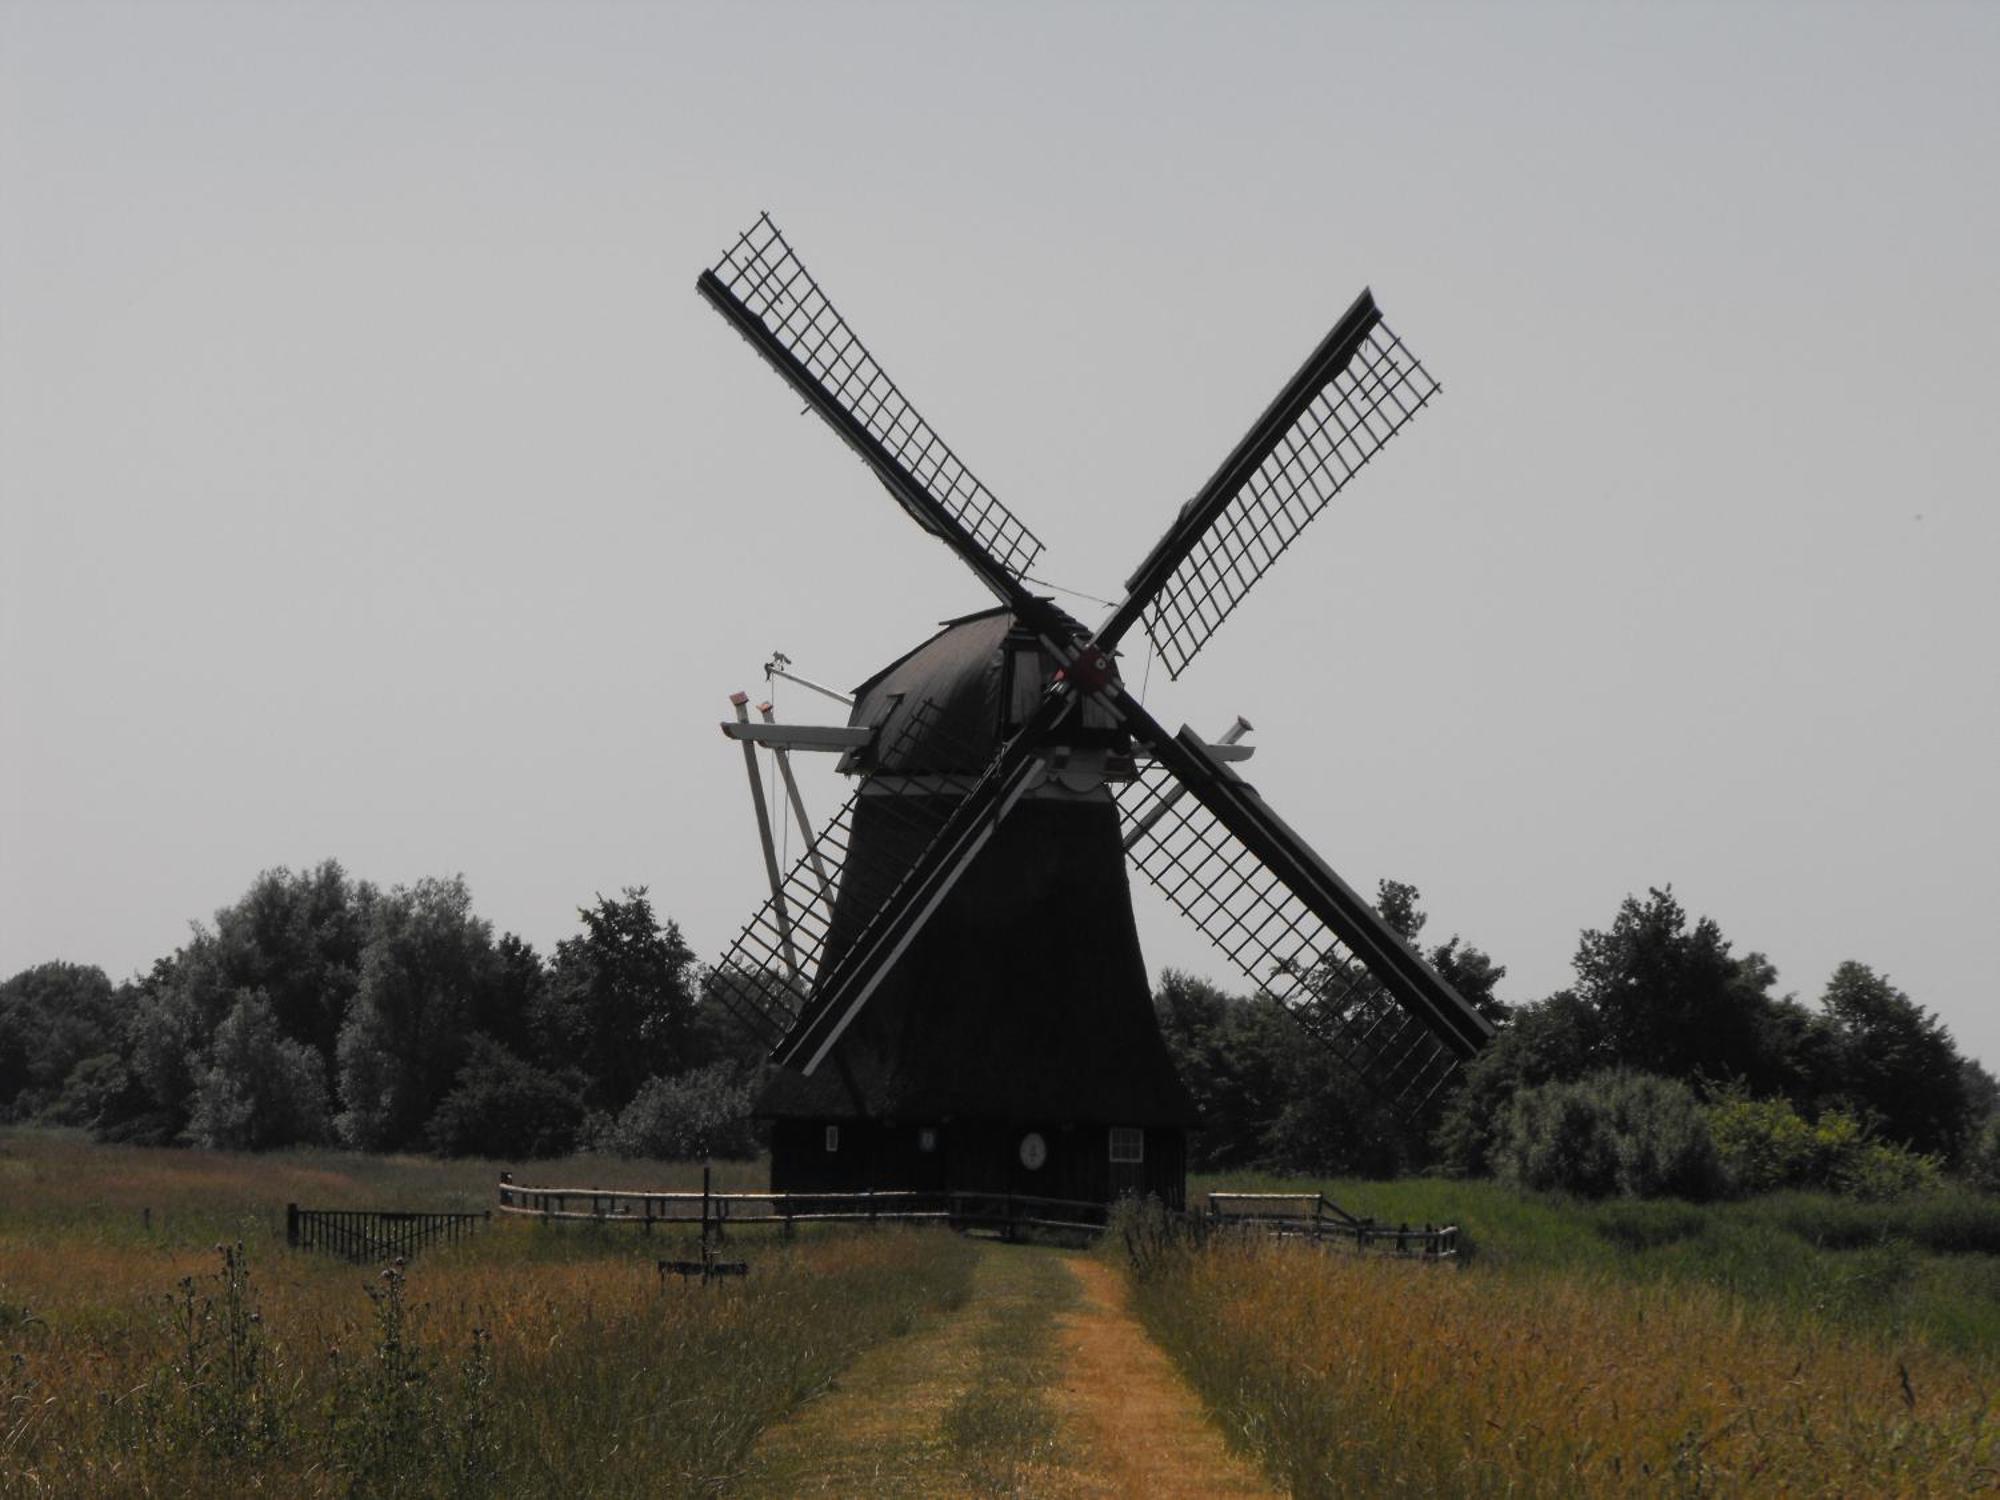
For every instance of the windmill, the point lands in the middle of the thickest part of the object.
(962, 1003)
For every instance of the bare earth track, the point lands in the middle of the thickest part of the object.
(1043, 1385)
(1145, 1431)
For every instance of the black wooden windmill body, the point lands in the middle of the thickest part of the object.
(950, 977)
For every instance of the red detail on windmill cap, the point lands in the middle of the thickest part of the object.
(739, 699)
(1091, 669)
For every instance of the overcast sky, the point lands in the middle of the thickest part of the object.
(373, 484)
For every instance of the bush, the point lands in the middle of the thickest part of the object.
(698, 1114)
(1765, 1145)
(502, 1106)
(1877, 1169)
(1982, 1157)
(1632, 1134)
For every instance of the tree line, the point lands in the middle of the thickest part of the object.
(1669, 1063)
(320, 1009)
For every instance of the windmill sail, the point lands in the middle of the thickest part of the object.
(765, 290)
(1356, 391)
(1287, 949)
(764, 976)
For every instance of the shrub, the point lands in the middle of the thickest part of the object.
(705, 1112)
(1765, 1145)
(1877, 1169)
(1632, 1134)
(1982, 1157)
(502, 1106)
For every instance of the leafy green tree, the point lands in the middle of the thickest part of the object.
(1558, 1039)
(1896, 1063)
(1982, 1156)
(260, 1088)
(92, 1090)
(297, 939)
(1229, 1052)
(1673, 1000)
(620, 999)
(513, 1008)
(1982, 1091)
(503, 1106)
(427, 960)
(1271, 1096)
(169, 1016)
(1633, 1134)
(52, 1017)
(1465, 968)
(703, 1112)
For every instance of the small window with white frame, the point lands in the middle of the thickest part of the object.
(927, 1138)
(833, 1137)
(1128, 1143)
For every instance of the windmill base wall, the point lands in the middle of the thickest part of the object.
(977, 1157)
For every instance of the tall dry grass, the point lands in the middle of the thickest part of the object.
(1352, 1377)
(537, 1360)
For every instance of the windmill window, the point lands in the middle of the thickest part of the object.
(833, 1137)
(927, 1139)
(1128, 1143)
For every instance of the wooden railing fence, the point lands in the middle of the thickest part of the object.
(1314, 1216)
(717, 1213)
(367, 1235)
(1311, 1216)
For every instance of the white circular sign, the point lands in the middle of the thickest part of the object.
(1034, 1151)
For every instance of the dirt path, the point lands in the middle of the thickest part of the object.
(948, 1410)
(1145, 1431)
(1042, 1385)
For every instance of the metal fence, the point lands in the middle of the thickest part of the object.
(367, 1235)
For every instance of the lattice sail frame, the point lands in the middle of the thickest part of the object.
(1347, 423)
(756, 979)
(764, 273)
(1269, 933)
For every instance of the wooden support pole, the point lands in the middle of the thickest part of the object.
(784, 759)
(741, 703)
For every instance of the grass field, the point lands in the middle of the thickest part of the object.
(141, 1354)
(1790, 1345)
(1926, 1267)
(1793, 1345)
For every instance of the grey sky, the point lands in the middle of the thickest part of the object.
(374, 485)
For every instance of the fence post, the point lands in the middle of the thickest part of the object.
(291, 1224)
(704, 1209)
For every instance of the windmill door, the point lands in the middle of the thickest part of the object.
(927, 1164)
(1127, 1146)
